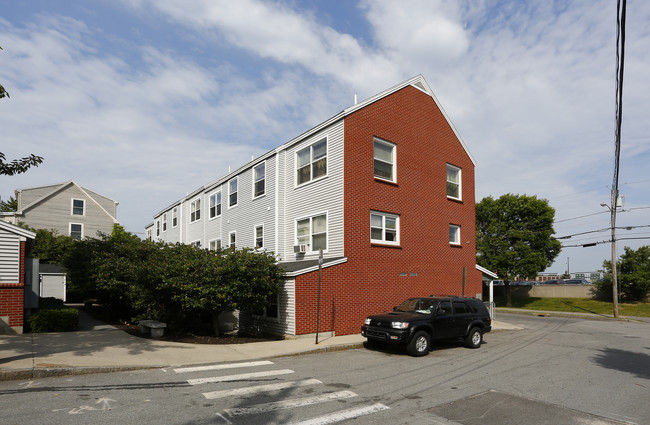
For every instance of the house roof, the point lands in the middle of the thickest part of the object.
(486, 271)
(418, 82)
(58, 188)
(17, 230)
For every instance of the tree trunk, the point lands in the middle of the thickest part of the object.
(215, 323)
(508, 297)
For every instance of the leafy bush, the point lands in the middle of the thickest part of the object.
(54, 320)
(633, 272)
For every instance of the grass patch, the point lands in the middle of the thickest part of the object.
(576, 305)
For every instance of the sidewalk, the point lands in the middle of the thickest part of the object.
(98, 347)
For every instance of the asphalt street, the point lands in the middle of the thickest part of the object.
(553, 370)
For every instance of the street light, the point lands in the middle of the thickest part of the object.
(615, 201)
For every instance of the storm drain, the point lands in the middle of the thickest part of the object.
(497, 408)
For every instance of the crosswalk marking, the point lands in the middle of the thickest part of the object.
(239, 377)
(289, 404)
(222, 366)
(343, 415)
(260, 389)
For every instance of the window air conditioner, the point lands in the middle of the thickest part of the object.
(302, 248)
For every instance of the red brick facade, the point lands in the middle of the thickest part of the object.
(378, 277)
(12, 295)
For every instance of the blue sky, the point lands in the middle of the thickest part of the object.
(144, 101)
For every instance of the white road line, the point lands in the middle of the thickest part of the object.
(222, 366)
(239, 377)
(260, 389)
(289, 404)
(343, 415)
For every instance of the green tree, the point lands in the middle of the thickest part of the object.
(9, 206)
(3, 92)
(633, 273)
(514, 237)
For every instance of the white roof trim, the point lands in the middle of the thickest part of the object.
(315, 268)
(17, 230)
(486, 271)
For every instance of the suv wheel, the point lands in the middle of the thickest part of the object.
(474, 338)
(419, 345)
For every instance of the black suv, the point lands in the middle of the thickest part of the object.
(418, 321)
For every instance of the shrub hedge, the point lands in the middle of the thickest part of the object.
(54, 316)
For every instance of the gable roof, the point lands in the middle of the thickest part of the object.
(60, 187)
(12, 228)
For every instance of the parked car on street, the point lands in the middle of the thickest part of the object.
(552, 282)
(418, 321)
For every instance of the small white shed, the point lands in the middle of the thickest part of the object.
(52, 279)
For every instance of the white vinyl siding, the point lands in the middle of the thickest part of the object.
(9, 257)
(318, 197)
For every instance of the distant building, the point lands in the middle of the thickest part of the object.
(67, 208)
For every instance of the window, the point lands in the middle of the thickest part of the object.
(454, 234)
(453, 182)
(195, 210)
(259, 176)
(174, 217)
(164, 222)
(78, 207)
(215, 244)
(232, 240)
(157, 227)
(311, 162)
(461, 308)
(76, 231)
(232, 187)
(312, 232)
(259, 237)
(149, 234)
(384, 160)
(196, 243)
(272, 310)
(215, 205)
(384, 228)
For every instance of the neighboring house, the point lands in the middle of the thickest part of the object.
(15, 244)
(385, 188)
(67, 208)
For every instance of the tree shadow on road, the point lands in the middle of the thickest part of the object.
(637, 364)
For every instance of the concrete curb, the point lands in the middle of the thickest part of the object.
(587, 316)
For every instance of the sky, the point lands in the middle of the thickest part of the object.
(144, 101)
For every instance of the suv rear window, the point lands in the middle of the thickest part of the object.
(460, 307)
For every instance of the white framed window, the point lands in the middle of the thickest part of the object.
(259, 180)
(259, 237)
(454, 187)
(232, 240)
(384, 228)
(149, 234)
(196, 243)
(232, 192)
(164, 222)
(312, 231)
(311, 162)
(215, 244)
(215, 205)
(157, 228)
(174, 217)
(78, 207)
(384, 155)
(454, 234)
(76, 231)
(195, 210)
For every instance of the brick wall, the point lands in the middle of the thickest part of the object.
(373, 280)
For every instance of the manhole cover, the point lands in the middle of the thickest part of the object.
(497, 408)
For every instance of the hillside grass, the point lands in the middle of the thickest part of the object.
(576, 305)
